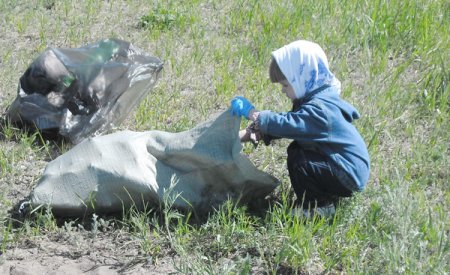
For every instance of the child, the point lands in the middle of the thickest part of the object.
(328, 158)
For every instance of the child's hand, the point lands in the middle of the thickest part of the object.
(244, 135)
(240, 106)
(250, 134)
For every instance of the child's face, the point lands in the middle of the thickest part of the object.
(287, 89)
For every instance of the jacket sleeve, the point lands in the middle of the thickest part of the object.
(309, 123)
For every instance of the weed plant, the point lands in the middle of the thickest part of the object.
(392, 57)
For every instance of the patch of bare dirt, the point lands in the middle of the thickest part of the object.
(78, 251)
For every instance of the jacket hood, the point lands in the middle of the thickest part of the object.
(349, 112)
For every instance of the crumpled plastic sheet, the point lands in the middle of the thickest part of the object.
(198, 169)
(83, 92)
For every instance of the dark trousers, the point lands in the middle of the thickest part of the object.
(314, 177)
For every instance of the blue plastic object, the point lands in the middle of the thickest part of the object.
(240, 106)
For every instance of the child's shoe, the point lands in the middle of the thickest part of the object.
(326, 211)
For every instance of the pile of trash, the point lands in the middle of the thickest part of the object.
(80, 94)
(83, 92)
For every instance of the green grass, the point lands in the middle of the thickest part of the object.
(392, 58)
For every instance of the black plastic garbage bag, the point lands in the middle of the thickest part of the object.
(83, 92)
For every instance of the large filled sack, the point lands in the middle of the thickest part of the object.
(81, 92)
(201, 168)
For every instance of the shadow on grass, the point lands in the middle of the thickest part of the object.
(19, 132)
(22, 211)
(8, 128)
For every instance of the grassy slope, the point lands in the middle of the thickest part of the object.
(392, 58)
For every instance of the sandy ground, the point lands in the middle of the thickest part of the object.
(79, 253)
(73, 250)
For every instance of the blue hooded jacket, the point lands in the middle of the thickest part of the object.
(324, 121)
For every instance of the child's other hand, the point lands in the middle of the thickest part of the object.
(244, 135)
(240, 106)
(250, 135)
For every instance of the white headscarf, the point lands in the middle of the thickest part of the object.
(305, 66)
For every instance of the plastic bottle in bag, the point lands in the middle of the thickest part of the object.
(105, 50)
